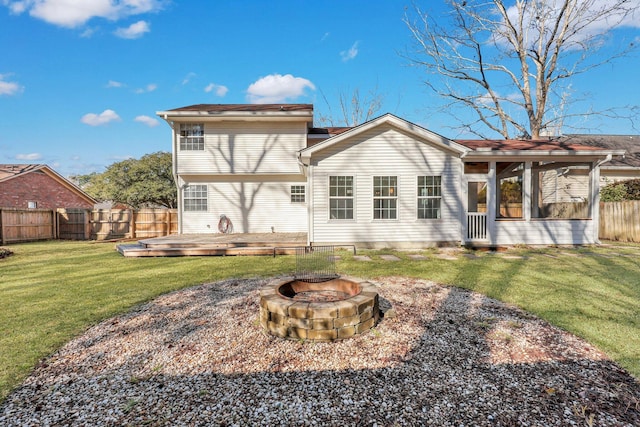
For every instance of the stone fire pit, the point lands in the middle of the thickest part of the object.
(318, 311)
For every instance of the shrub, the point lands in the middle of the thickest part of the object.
(4, 252)
(620, 191)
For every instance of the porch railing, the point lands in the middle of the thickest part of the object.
(476, 226)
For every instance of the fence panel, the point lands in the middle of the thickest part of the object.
(25, 225)
(620, 221)
(107, 224)
(73, 224)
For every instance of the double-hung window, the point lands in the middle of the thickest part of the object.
(195, 198)
(192, 136)
(429, 197)
(297, 193)
(341, 197)
(385, 197)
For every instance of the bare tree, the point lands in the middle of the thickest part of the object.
(354, 109)
(513, 66)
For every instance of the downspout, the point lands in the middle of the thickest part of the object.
(307, 171)
(595, 196)
(174, 169)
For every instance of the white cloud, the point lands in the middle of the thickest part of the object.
(325, 36)
(7, 87)
(113, 83)
(276, 88)
(103, 118)
(133, 31)
(148, 88)
(74, 13)
(188, 78)
(351, 53)
(149, 121)
(219, 90)
(29, 157)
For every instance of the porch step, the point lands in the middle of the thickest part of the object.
(140, 250)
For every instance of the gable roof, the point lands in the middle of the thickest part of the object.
(387, 119)
(11, 171)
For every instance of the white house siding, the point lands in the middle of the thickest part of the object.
(254, 204)
(243, 147)
(565, 187)
(545, 232)
(385, 151)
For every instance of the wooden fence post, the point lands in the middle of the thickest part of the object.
(2, 231)
(132, 224)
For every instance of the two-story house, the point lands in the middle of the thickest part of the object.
(385, 183)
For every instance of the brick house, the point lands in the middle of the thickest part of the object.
(39, 187)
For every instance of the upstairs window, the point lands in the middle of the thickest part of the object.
(297, 193)
(192, 136)
(195, 198)
(385, 197)
(341, 197)
(429, 197)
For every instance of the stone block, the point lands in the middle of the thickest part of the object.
(299, 310)
(341, 322)
(277, 330)
(299, 323)
(298, 333)
(322, 310)
(362, 302)
(322, 335)
(322, 323)
(365, 315)
(276, 304)
(364, 326)
(278, 318)
(346, 308)
(346, 332)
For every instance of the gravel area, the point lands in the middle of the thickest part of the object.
(440, 356)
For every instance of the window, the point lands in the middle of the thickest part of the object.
(385, 197)
(32, 205)
(429, 197)
(192, 136)
(297, 193)
(341, 197)
(195, 198)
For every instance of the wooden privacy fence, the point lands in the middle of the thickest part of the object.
(620, 221)
(22, 225)
(25, 225)
(137, 224)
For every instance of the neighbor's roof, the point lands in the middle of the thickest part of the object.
(10, 171)
(629, 143)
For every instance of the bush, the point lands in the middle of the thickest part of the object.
(4, 252)
(621, 191)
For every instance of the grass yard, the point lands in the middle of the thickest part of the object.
(52, 291)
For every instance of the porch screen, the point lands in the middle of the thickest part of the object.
(510, 180)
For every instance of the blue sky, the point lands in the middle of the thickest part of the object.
(80, 80)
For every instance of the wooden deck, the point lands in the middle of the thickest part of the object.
(216, 245)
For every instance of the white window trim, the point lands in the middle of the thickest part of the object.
(181, 138)
(374, 197)
(418, 197)
(353, 198)
(206, 198)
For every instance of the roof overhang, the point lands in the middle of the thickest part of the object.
(282, 113)
(542, 155)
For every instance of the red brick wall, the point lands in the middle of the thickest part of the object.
(40, 188)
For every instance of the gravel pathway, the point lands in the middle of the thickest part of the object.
(441, 356)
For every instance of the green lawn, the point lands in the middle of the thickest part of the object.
(52, 291)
